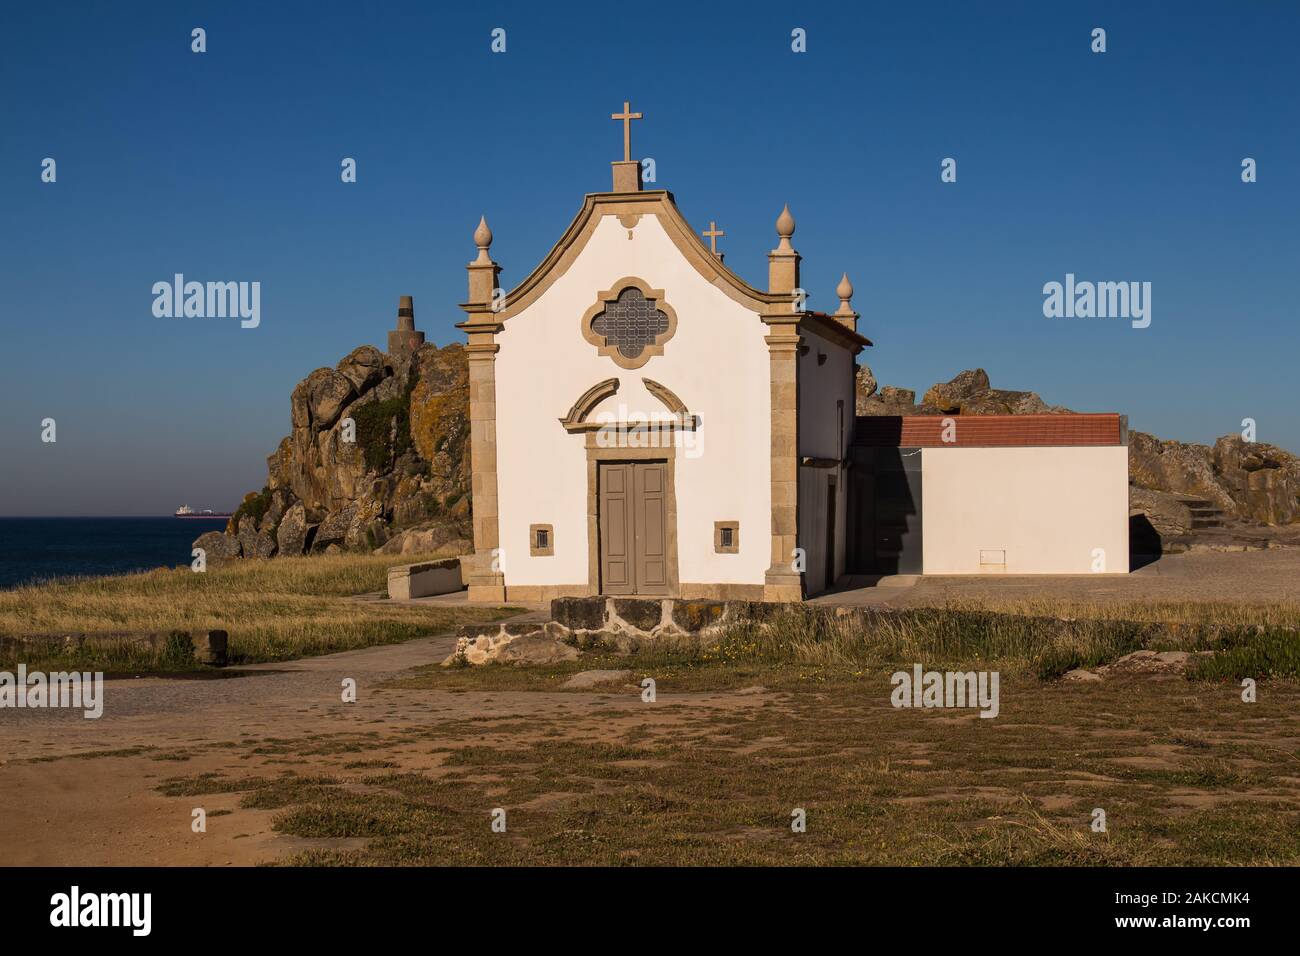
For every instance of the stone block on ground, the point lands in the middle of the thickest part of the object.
(579, 613)
(693, 616)
(641, 613)
(424, 579)
(595, 678)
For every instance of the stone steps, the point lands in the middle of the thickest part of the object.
(1205, 514)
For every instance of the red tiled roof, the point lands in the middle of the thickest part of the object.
(987, 431)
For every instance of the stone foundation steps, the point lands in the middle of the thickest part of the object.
(623, 624)
(1205, 514)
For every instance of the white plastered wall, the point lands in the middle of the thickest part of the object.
(824, 432)
(716, 363)
(1046, 510)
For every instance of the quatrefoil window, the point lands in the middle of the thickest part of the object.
(630, 323)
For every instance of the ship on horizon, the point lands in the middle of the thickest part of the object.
(185, 511)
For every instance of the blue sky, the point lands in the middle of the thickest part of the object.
(1123, 166)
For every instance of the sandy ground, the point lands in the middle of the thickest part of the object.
(67, 798)
(103, 809)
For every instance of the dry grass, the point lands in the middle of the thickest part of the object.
(273, 610)
(1183, 779)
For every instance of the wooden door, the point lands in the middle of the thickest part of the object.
(651, 541)
(632, 524)
(617, 534)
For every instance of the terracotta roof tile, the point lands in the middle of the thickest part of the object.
(987, 431)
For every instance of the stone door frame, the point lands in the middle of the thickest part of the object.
(597, 454)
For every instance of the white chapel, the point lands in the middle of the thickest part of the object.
(645, 422)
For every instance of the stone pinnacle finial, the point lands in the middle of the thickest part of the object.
(845, 289)
(483, 271)
(783, 261)
(845, 314)
(483, 239)
(785, 226)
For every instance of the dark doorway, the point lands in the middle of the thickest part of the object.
(830, 532)
(1144, 543)
(885, 511)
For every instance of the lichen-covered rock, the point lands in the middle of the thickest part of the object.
(893, 395)
(342, 468)
(404, 483)
(948, 396)
(585, 679)
(999, 401)
(279, 465)
(435, 538)
(254, 543)
(1263, 480)
(693, 616)
(579, 613)
(363, 367)
(641, 613)
(280, 500)
(1176, 467)
(865, 383)
(366, 512)
(328, 393)
(440, 420)
(334, 529)
(1166, 512)
(319, 398)
(217, 546)
(291, 537)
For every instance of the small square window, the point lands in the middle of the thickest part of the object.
(726, 537)
(541, 540)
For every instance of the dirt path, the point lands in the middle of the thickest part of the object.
(84, 792)
(1254, 577)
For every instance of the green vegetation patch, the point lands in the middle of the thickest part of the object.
(1258, 653)
(384, 429)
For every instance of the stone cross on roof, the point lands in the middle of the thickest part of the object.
(712, 234)
(627, 116)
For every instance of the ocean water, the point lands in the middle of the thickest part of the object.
(32, 549)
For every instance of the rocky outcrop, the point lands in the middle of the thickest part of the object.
(948, 396)
(377, 456)
(363, 367)
(319, 398)
(252, 542)
(217, 547)
(294, 535)
(1247, 480)
(865, 386)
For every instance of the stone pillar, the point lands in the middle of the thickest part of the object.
(627, 176)
(404, 339)
(782, 582)
(783, 261)
(845, 315)
(481, 327)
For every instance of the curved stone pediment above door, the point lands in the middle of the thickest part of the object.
(579, 417)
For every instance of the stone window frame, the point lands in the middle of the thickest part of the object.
(540, 552)
(608, 298)
(734, 528)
